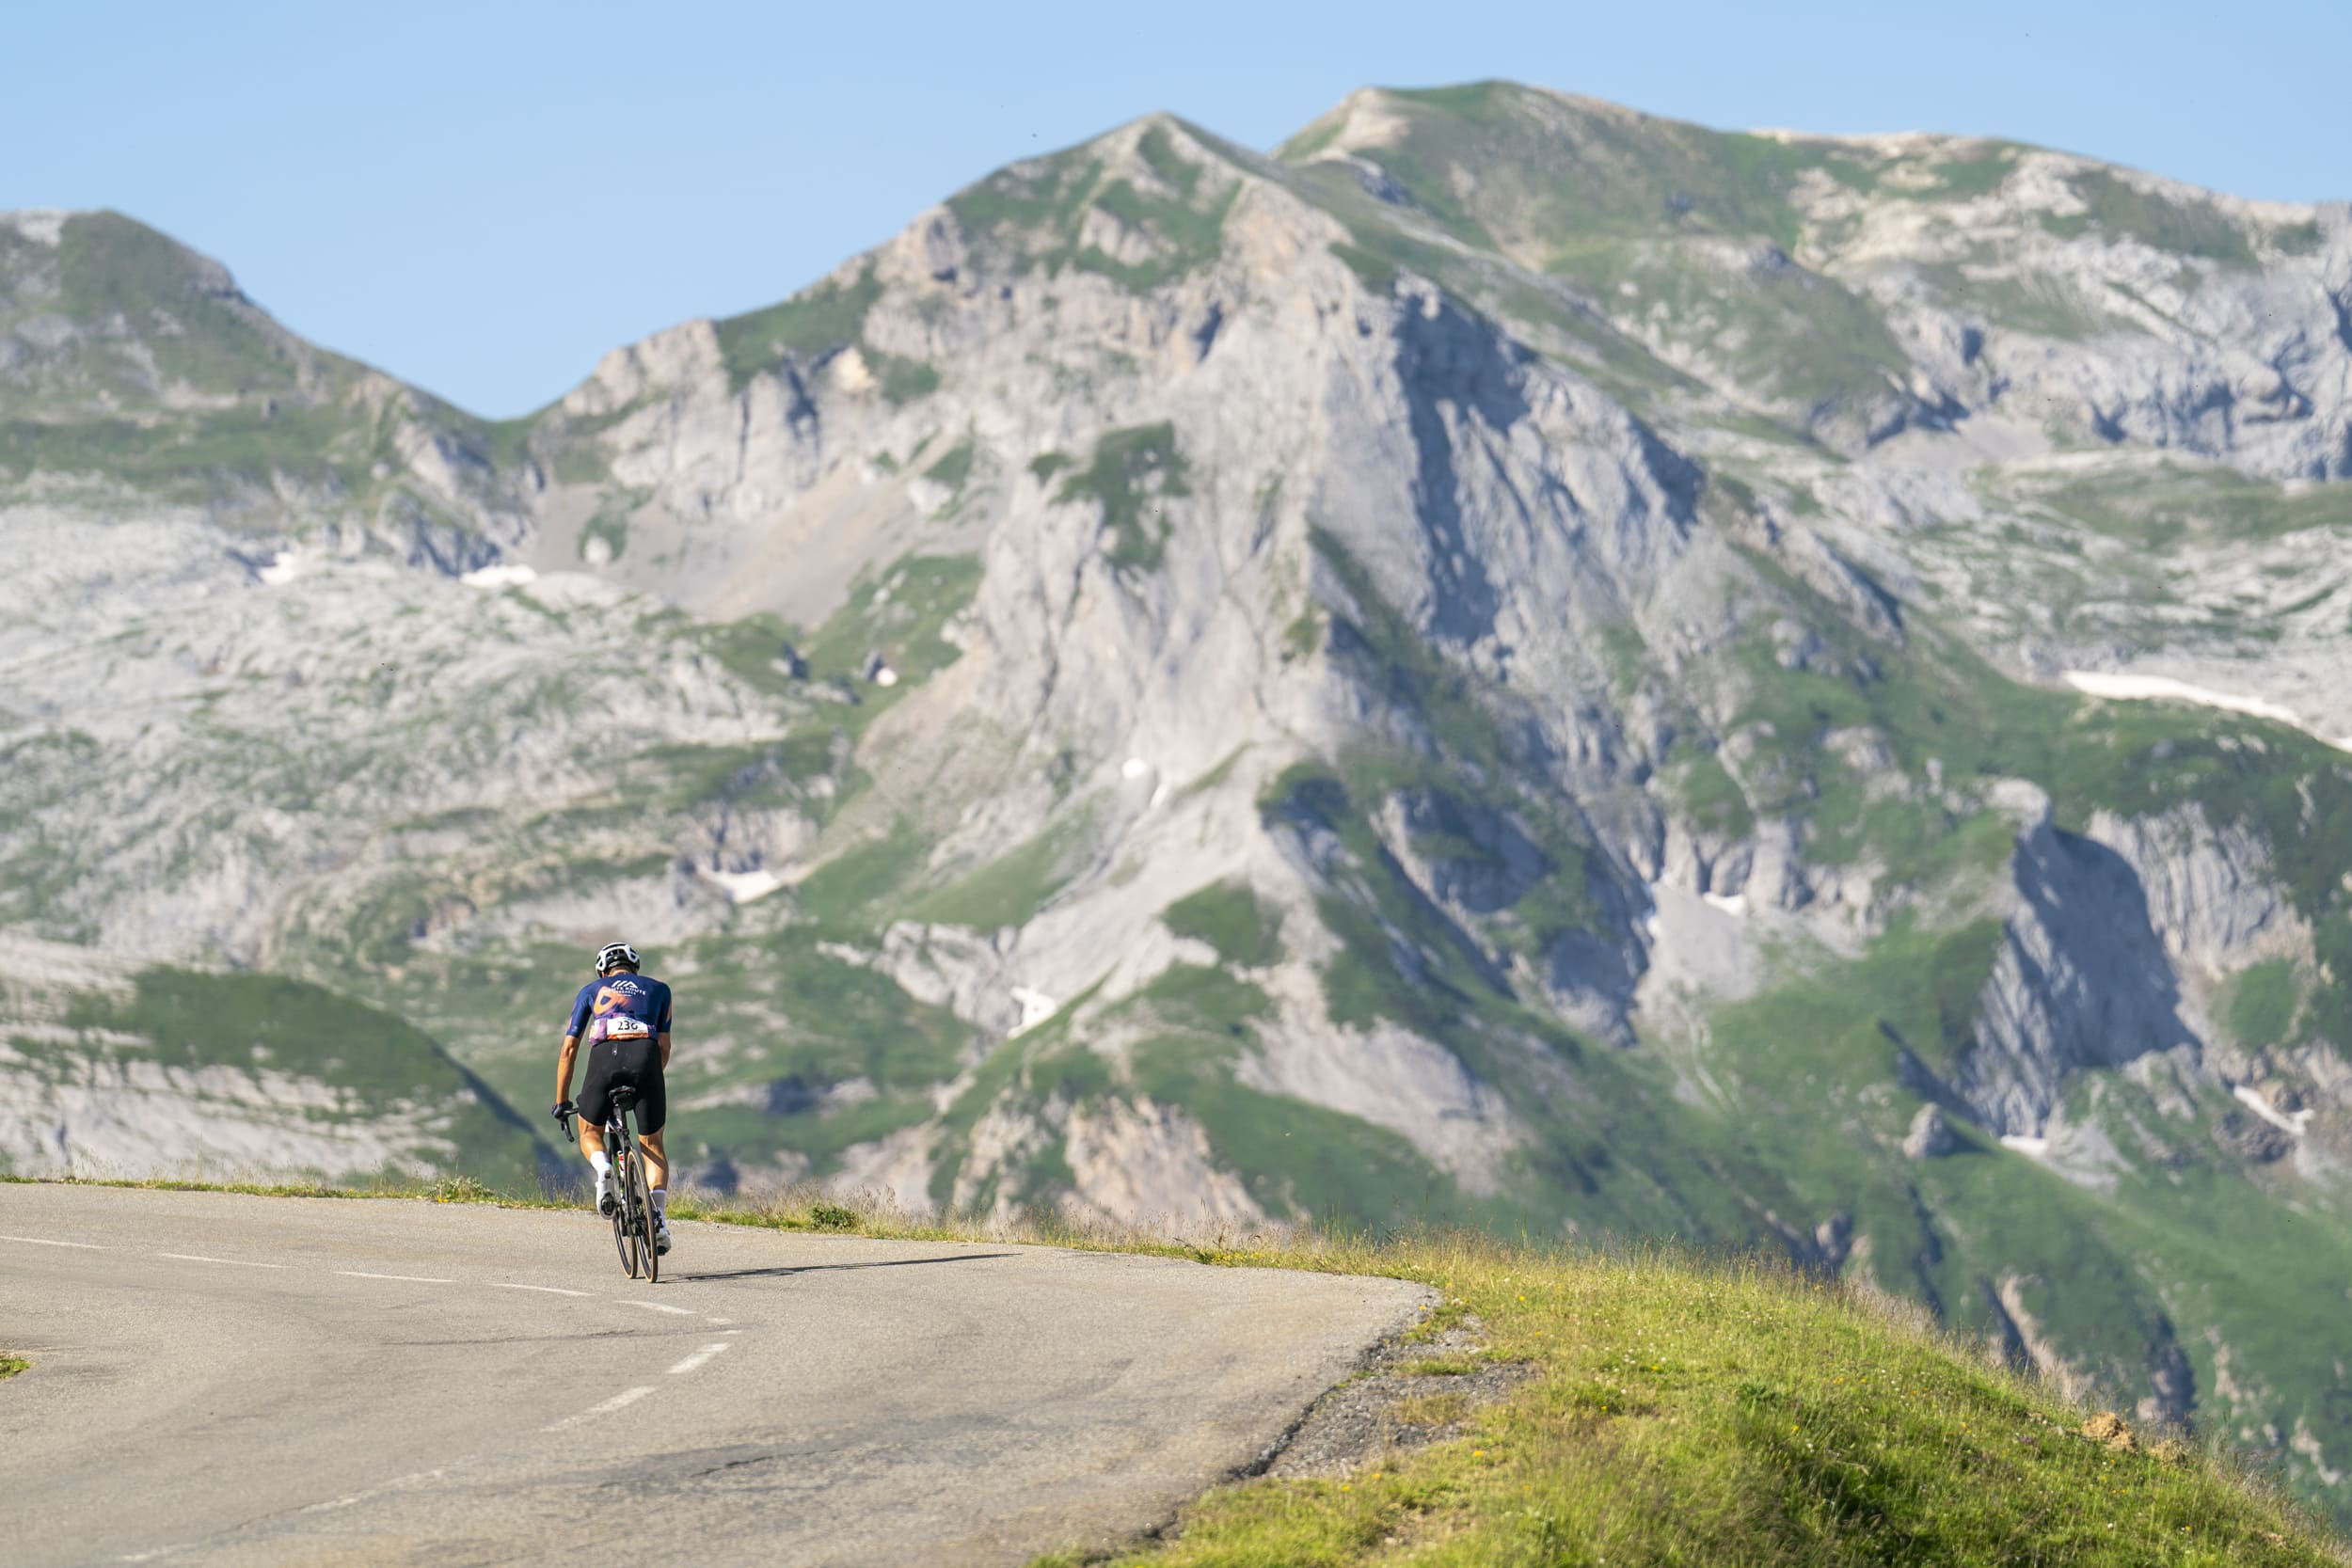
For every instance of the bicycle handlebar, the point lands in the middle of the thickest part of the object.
(566, 1113)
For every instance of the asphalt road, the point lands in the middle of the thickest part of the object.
(221, 1379)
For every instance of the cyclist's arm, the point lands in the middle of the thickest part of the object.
(574, 1027)
(664, 1039)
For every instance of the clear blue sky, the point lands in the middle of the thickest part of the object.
(483, 197)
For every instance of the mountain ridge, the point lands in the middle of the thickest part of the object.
(1881, 142)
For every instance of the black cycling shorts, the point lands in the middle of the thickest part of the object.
(636, 1063)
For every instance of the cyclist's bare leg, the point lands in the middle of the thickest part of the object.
(657, 1164)
(591, 1140)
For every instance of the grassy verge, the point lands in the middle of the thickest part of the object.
(1690, 1410)
(11, 1365)
(1681, 1409)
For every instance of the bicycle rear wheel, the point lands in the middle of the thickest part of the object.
(642, 1196)
(624, 1231)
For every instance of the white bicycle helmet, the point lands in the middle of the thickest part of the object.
(613, 953)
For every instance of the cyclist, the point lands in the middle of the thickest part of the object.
(624, 1018)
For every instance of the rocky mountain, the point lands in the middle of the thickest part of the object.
(118, 1069)
(1511, 661)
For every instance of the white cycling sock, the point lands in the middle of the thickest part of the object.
(601, 1163)
(660, 1195)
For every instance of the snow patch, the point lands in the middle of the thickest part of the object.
(1036, 1007)
(565, 591)
(1734, 904)
(499, 577)
(2094, 683)
(281, 571)
(885, 676)
(2037, 1147)
(742, 887)
(2252, 1101)
(1133, 768)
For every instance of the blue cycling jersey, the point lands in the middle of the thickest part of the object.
(639, 996)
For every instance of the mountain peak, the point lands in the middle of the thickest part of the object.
(109, 325)
(100, 310)
(1142, 203)
(109, 265)
(1375, 117)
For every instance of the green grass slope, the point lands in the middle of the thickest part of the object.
(256, 1052)
(1678, 1412)
(1655, 220)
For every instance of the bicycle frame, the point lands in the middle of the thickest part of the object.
(632, 1207)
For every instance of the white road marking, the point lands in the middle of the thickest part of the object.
(698, 1359)
(551, 1289)
(36, 1241)
(620, 1400)
(231, 1262)
(721, 1320)
(333, 1503)
(409, 1278)
(329, 1506)
(658, 1306)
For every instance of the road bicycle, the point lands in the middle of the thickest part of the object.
(632, 1202)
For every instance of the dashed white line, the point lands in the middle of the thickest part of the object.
(625, 1398)
(230, 1262)
(408, 1278)
(698, 1359)
(661, 1307)
(551, 1289)
(37, 1240)
(721, 1319)
(355, 1497)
